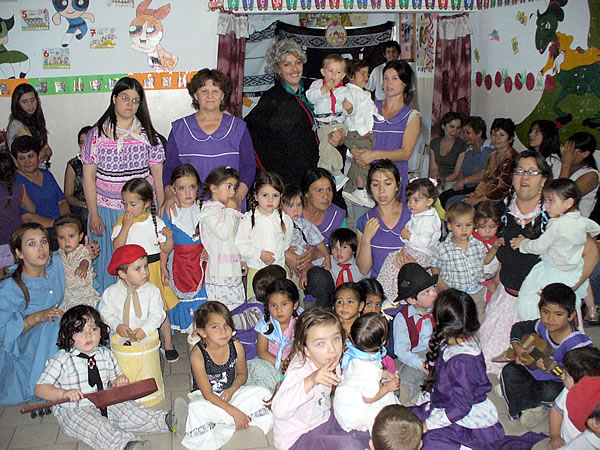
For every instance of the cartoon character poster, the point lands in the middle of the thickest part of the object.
(146, 32)
(56, 58)
(13, 63)
(75, 14)
(103, 38)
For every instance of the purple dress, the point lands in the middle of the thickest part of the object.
(389, 134)
(386, 240)
(230, 145)
(334, 219)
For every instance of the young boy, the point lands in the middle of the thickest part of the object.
(529, 392)
(84, 365)
(583, 404)
(132, 307)
(343, 244)
(459, 259)
(391, 52)
(413, 326)
(332, 102)
(396, 427)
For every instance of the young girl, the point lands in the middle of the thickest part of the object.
(219, 401)
(77, 261)
(265, 232)
(140, 226)
(302, 403)
(12, 197)
(185, 269)
(560, 247)
(488, 222)
(348, 304)
(82, 341)
(219, 222)
(420, 235)
(361, 394)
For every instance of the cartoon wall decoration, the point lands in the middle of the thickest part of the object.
(13, 63)
(425, 42)
(146, 32)
(35, 20)
(75, 13)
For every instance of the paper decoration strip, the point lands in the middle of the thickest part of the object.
(35, 20)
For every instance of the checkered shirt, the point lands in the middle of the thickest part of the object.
(460, 269)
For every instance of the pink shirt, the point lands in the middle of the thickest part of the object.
(273, 346)
(297, 412)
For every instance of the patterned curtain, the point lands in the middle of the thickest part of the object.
(452, 78)
(233, 31)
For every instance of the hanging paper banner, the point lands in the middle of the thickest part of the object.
(129, 3)
(425, 42)
(35, 20)
(56, 58)
(163, 80)
(103, 38)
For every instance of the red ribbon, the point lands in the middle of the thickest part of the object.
(340, 277)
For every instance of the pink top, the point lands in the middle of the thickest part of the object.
(273, 347)
(297, 412)
(388, 364)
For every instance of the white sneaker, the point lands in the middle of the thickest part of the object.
(340, 181)
(531, 418)
(359, 197)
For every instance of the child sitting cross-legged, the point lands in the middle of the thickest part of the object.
(84, 365)
(396, 427)
(583, 404)
(529, 392)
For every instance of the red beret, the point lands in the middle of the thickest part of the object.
(582, 399)
(126, 254)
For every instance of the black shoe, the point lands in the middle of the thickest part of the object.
(171, 355)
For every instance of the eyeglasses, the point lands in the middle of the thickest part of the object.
(531, 172)
(126, 98)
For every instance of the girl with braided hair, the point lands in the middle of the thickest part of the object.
(265, 232)
(139, 226)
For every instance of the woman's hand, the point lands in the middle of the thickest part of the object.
(73, 395)
(371, 228)
(96, 226)
(231, 203)
(169, 203)
(121, 380)
(165, 278)
(365, 159)
(303, 279)
(45, 315)
(568, 153)
(515, 243)
(402, 258)
(405, 234)
(459, 185)
(267, 257)
(93, 247)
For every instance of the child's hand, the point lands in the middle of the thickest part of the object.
(520, 353)
(325, 375)
(241, 420)
(164, 275)
(81, 270)
(392, 385)
(540, 365)
(226, 395)
(121, 380)
(405, 234)
(498, 243)
(167, 232)
(123, 330)
(347, 106)
(139, 334)
(267, 257)
(204, 255)
(231, 203)
(387, 375)
(303, 279)
(515, 243)
(73, 395)
(556, 442)
(128, 219)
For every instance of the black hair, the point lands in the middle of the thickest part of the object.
(286, 287)
(369, 332)
(594, 415)
(25, 144)
(290, 192)
(455, 316)
(351, 286)
(550, 140)
(315, 174)
(585, 142)
(35, 123)
(392, 44)
(384, 165)
(423, 185)
(343, 236)
(506, 125)
(449, 117)
(477, 124)
(8, 169)
(69, 219)
(489, 209)
(108, 120)
(582, 362)
(406, 75)
(266, 179)
(558, 294)
(216, 177)
(565, 189)
(143, 189)
(371, 286)
(73, 321)
(84, 130)
(264, 278)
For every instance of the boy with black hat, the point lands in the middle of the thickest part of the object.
(413, 326)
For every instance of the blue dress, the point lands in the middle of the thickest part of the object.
(23, 356)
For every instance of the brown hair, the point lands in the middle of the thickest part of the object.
(355, 66)
(489, 209)
(459, 209)
(369, 332)
(143, 189)
(218, 78)
(69, 219)
(203, 313)
(264, 278)
(334, 57)
(266, 179)
(396, 428)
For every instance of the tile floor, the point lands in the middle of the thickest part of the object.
(20, 431)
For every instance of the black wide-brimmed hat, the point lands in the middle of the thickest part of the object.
(412, 279)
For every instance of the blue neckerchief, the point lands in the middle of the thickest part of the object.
(300, 94)
(276, 336)
(353, 353)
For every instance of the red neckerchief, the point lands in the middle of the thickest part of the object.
(340, 278)
(333, 96)
(488, 243)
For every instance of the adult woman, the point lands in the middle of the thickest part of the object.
(121, 146)
(27, 119)
(496, 179)
(524, 216)
(210, 138)
(473, 165)
(29, 318)
(446, 153)
(74, 180)
(397, 133)
(379, 229)
(543, 138)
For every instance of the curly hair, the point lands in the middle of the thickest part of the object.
(218, 78)
(277, 52)
(73, 321)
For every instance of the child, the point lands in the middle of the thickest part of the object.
(526, 391)
(396, 427)
(583, 404)
(84, 365)
(360, 131)
(421, 234)
(12, 197)
(219, 221)
(265, 232)
(348, 304)
(74, 180)
(488, 223)
(132, 306)
(219, 401)
(343, 244)
(360, 395)
(560, 247)
(139, 226)
(459, 259)
(184, 269)
(307, 234)
(302, 404)
(578, 363)
(77, 261)
(413, 326)
(331, 100)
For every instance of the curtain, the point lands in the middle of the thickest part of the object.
(233, 31)
(452, 77)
